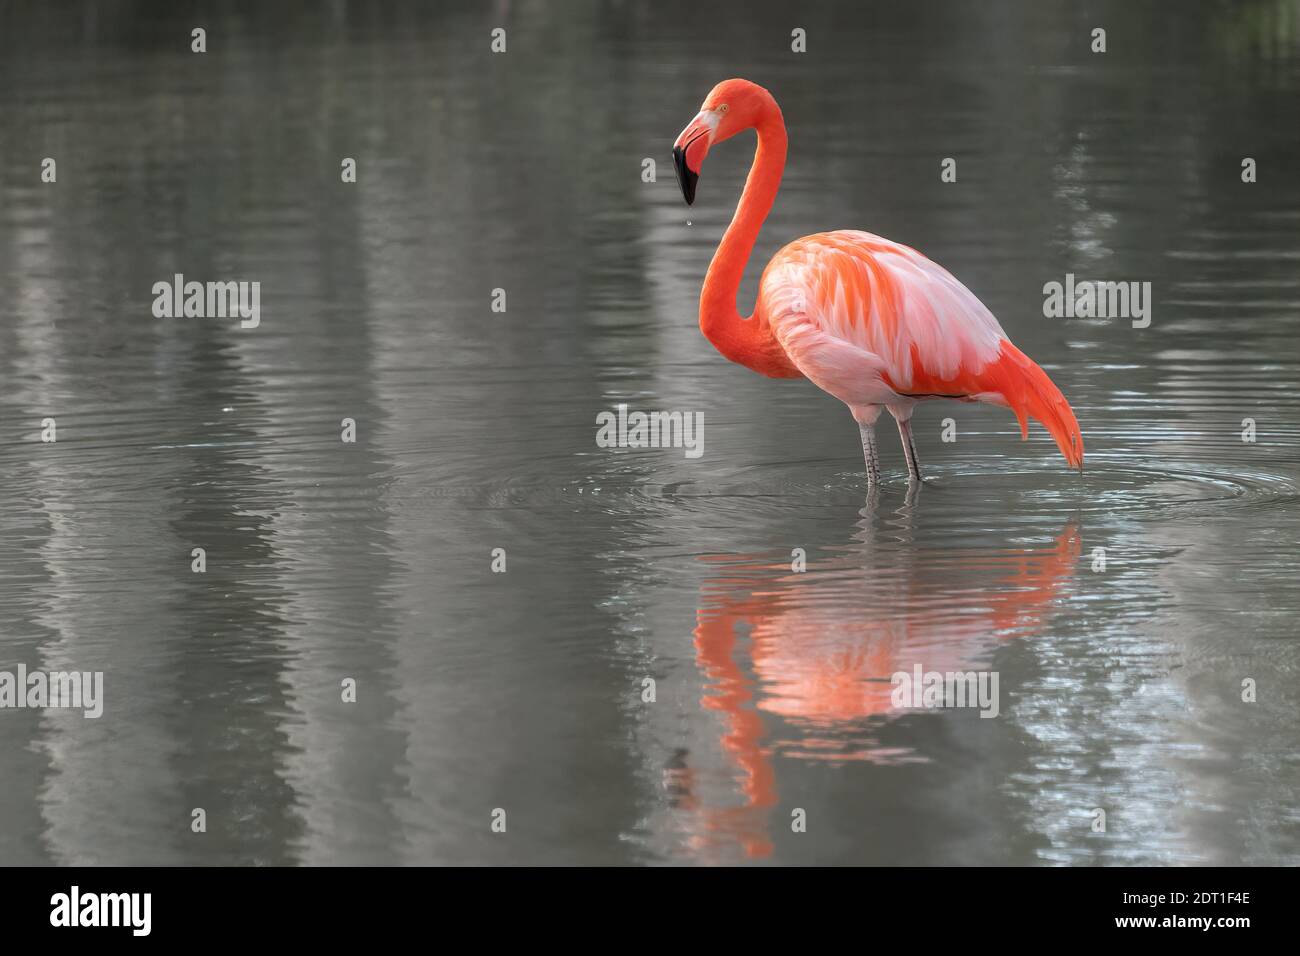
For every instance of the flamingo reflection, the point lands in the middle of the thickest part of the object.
(822, 645)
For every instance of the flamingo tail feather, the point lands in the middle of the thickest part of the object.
(1025, 388)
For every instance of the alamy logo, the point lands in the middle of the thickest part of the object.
(210, 300)
(651, 430)
(78, 690)
(931, 689)
(1087, 299)
(75, 908)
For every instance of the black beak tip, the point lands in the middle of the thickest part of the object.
(685, 178)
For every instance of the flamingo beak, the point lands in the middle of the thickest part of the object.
(690, 149)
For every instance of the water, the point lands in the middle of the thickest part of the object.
(1121, 689)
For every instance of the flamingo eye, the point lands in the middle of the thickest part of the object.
(723, 108)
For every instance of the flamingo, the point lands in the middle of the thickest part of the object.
(872, 322)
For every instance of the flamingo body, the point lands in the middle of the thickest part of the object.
(876, 323)
(872, 322)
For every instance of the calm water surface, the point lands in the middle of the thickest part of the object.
(1120, 688)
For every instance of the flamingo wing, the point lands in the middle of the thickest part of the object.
(874, 322)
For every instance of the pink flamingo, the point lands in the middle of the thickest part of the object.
(872, 322)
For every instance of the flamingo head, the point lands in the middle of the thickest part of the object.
(731, 106)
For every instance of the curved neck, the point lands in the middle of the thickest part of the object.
(732, 335)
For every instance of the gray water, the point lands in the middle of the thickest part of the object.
(1120, 688)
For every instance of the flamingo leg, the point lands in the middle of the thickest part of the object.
(869, 453)
(909, 450)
